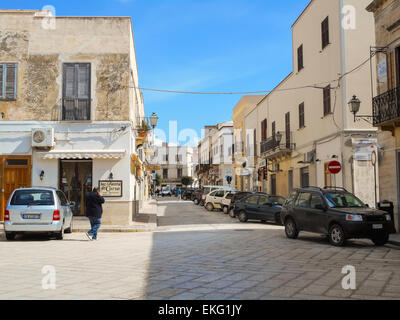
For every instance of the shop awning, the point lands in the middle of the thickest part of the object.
(83, 154)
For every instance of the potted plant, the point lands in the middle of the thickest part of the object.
(143, 129)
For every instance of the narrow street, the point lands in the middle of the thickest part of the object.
(196, 254)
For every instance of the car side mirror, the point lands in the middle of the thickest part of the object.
(72, 204)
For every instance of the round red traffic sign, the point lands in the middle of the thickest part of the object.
(373, 158)
(334, 167)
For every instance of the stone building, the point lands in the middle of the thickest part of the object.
(70, 110)
(386, 101)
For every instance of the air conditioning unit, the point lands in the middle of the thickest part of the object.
(43, 137)
(309, 157)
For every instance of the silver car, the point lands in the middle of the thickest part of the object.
(38, 210)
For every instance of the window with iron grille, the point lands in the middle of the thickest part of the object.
(165, 173)
(8, 81)
(325, 32)
(327, 100)
(180, 173)
(301, 116)
(76, 91)
(300, 62)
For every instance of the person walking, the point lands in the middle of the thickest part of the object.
(179, 194)
(94, 212)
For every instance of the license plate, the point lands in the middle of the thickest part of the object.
(377, 226)
(31, 216)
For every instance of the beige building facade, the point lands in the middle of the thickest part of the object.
(305, 122)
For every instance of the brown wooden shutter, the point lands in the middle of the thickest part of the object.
(300, 58)
(69, 80)
(325, 32)
(1, 80)
(327, 100)
(273, 129)
(287, 129)
(11, 81)
(255, 142)
(301, 116)
(83, 85)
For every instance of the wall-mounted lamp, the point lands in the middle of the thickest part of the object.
(3, 115)
(335, 156)
(41, 176)
(111, 176)
(354, 105)
(278, 137)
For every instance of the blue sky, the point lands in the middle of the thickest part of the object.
(198, 45)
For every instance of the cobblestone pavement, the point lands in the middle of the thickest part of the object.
(197, 254)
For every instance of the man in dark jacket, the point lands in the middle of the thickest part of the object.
(94, 211)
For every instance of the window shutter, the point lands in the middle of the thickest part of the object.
(327, 100)
(69, 77)
(1, 81)
(300, 58)
(83, 81)
(301, 115)
(11, 81)
(287, 129)
(325, 32)
(273, 129)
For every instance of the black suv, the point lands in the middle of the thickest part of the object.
(336, 213)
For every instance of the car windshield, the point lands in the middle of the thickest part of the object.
(343, 200)
(32, 198)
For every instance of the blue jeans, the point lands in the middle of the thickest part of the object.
(95, 224)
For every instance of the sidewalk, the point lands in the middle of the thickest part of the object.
(395, 239)
(146, 221)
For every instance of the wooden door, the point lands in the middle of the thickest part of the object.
(16, 173)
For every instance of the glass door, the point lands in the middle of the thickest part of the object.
(76, 182)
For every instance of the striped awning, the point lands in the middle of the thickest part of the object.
(83, 154)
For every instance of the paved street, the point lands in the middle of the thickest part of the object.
(196, 254)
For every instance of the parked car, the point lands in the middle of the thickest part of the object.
(187, 193)
(336, 213)
(208, 189)
(38, 210)
(166, 192)
(259, 206)
(196, 196)
(216, 199)
(236, 196)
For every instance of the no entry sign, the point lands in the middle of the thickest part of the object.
(334, 167)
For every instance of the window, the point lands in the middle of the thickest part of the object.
(343, 200)
(252, 200)
(264, 201)
(327, 100)
(325, 32)
(291, 198)
(264, 132)
(278, 200)
(33, 197)
(180, 173)
(165, 173)
(316, 202)
(273, 129)
(76, 91)
(303, 200)
(219, 194)
(62, 198)
(300, 64)
(273, 184)
(8, 81)
(301, 116)
(305, 177)
(287, 129)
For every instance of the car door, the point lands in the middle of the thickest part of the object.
(316, 216)
(300, 208)
(219, 195)
(251, 207)
(266, 210)
(66, 210)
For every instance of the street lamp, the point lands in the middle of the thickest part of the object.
(354, 106)
(154, 120)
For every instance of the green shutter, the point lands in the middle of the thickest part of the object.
(1, 81)
(11, 82)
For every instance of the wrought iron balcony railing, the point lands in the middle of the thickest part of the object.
(271, 146)
(386, 107)
(75, 109)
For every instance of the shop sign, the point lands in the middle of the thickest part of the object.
(111, 188)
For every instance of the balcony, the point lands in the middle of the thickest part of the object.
(272, 148)
(386, 107)
(75, 109)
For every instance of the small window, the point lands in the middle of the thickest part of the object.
(252, 200)
(16, 162)
(8, 81)
(325, 32)
(327, 100)
(300, 61)
(303, 201)
(219, 194)
(264, 201)
(301, 116)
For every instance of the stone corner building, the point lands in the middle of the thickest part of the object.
(386, 102)
(69, 108)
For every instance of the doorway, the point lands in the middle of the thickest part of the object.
(76, 181)
(15, 172)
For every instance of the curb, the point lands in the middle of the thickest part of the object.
(394, 242)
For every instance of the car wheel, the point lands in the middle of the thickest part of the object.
(209, 206)
(380, 240)
(337, 236)
(232, 213)
(60, 235)
(278, 220)
(196, 202)
(243, 216)
(10, 236)
(291, 229)
(225, 209)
